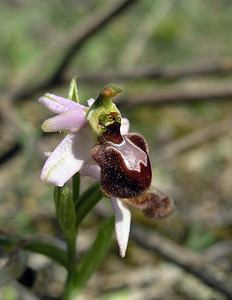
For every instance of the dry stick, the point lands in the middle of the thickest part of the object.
(70, 44)
(223, 67)
(184, 258)
(180, 94)
(171, 95)
(190, 140)
(218, 251)
(10, 153)
(159, 96)
(19, 128)
(163, 95)
(213, 68)
(144, 282)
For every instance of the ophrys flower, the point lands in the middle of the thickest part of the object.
(98, 145)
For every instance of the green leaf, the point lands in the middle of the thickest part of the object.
(87, 201)
(93, 258)
(41, 246)
(48, 249)
(73, 91)
(65, 211)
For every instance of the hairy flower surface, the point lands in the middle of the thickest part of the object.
(124, 162)
(98, 144)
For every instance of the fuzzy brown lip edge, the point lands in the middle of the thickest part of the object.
(155, 204)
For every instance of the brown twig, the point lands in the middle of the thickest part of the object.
(184, 258)
(10, 153)
(70, 44)
(213, 68)
(180, 94)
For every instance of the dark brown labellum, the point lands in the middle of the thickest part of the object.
(154, 205)
(124, 162)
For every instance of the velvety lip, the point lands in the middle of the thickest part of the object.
(125, 166)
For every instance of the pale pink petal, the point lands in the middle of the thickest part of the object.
(91, 170)
(68, 158)
(59, 104)
(90, 101)
(71, 120)
(122, 224)
(125, 125)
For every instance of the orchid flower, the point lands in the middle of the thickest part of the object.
(98, 144)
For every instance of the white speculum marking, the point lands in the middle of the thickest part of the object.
(131, 154)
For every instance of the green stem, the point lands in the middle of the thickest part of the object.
(76, 187)
(71, 252)
(91, 261)
(86, 202)
(71, 241)
(67, 289)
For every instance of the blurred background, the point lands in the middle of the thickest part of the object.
(173, 59)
